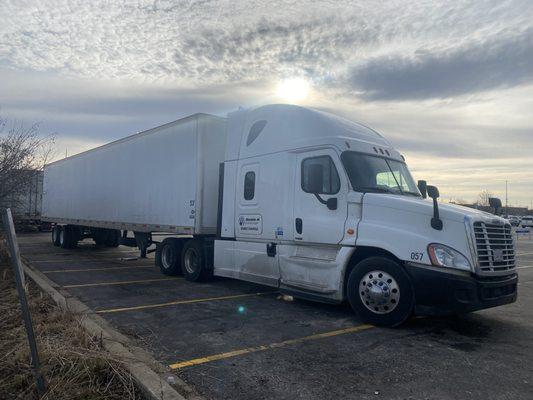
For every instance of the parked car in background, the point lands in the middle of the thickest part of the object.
(514, 220)
(527, 222)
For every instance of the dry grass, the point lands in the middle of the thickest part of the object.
(75, 366)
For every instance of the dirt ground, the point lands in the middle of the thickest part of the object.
(74, 365)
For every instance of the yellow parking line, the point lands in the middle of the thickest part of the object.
(524, 254)
(121, 282)
(249, 350)
(69, 260)
(525, 266)
(96, 269)
(172, 303)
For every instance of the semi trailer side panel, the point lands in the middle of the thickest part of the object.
(151, 181)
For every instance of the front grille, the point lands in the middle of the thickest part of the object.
(495, 247)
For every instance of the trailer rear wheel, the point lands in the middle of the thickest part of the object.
(68, 237)
(168, 256)
(193, 262)
(380, 291)
(63, 242)
(99, 236)
(55, 235)
(113, 238)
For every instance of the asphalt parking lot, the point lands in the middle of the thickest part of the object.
(235, 340)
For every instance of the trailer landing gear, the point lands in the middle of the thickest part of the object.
(144, 240)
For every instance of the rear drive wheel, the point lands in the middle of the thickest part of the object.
(380, 291)
(168, 256)
(55, 235)
(193, 262)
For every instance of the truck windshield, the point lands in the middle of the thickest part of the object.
(369, 173)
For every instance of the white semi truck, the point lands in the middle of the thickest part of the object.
(315, 205)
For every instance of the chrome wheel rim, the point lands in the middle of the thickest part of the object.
(54, 235)
(379, 292)
(61, 236)
(167, 257)
(191, 261)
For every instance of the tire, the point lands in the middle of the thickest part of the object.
(193, 262)
(380, 291)
(113, 238)
(99, 237)
(68, 237)
(168, 256)
(63, 240)
(55, 235)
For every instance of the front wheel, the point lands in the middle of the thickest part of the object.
(380, 291)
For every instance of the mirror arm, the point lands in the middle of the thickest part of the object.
(320, 199)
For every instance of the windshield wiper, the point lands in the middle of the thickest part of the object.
(378, 189)
(412, 194)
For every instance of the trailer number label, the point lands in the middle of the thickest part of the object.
(192, 211)
(417, 256)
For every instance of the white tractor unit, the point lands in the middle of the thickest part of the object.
(312, 204)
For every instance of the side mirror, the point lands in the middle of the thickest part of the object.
(423, 187)
(495, 203)
(316, 178)
(436, 222)
(331, 203)
(433, 192)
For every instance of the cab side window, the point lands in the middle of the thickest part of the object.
(322, 165)
(249, 185)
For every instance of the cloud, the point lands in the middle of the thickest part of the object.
(504, 60)
(95, 71)
(214, 42)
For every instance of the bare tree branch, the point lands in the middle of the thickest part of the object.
(22, 149)
(483, 198)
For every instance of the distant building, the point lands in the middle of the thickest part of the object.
(509, 210)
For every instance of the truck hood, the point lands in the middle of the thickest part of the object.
(425, 207)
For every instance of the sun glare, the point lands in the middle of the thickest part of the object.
(293, 90)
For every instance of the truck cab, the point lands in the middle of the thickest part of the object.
(326, 209)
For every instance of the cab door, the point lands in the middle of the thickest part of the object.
(319, 215)
(254, 248)
(318, 187)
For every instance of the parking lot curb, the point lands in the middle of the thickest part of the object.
(139, 362)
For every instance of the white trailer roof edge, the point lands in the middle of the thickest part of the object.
(139, 134)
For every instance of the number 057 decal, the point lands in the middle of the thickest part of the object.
(417, 256)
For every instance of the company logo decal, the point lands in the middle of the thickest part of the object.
(250, 224)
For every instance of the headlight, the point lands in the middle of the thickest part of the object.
(444, 256)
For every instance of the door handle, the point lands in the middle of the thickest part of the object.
(299, 226)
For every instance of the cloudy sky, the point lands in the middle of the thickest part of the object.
(449, 83)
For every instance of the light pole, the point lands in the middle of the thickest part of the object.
(506, 199)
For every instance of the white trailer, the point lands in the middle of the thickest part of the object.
(164, 179)
(315, 205)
